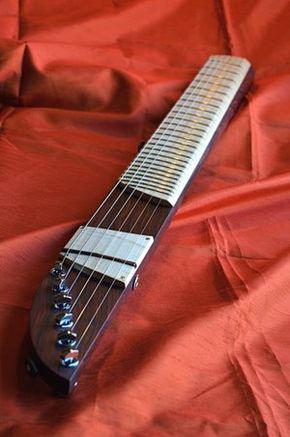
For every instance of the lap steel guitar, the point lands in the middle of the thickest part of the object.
(102, 260)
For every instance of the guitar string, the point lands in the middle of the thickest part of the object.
(105, 272)
(111, 286)
(111, 192)
(91, 321)
(99, 260)
(103, 218)
(83, 230)
(124, 189)
(79, 341)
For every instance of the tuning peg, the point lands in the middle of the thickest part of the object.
(58, 271)
(59, 286)
(69, 358)
(64, 320)
(62, 302)
(66, 338)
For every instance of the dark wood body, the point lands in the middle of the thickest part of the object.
(122, 215)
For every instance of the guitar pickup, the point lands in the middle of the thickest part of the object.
(111, 255)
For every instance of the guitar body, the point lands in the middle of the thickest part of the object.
(66, 323)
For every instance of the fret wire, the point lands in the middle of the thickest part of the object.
(193, 122)
(174, 159)
(168, 165)
(233, 77)
(170, 169)
(184, 151)
(158, 166)
(206, 102)
(178, 168)
(157, 181)
(231, 65)
(182, 129)
(197, 113)
(215, 84)
(156, 189)
(190, 120)
(147, 177)
(189, 128)
(215, 80)
(210, 96)
(174, 139)
(176, 143)
(233, 72)
(209, 107)
(221, 77)
(202, 108)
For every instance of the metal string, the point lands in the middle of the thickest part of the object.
(98, 261)
(124, 189)
(118, 273)
(109, 289)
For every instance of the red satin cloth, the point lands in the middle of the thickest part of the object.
(202, 347)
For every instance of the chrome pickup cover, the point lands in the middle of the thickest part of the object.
(114, 255)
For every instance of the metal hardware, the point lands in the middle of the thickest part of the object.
(58, 271)
(114, 254)
(69, 358)
(64, 320)
(59, 286)
(62, 302)
(135, 282)
(66, 338)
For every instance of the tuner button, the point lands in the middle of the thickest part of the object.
(64, 320)
(58, 271)
(66, 338)
(62, 302)
(59, 286)
(69, 358)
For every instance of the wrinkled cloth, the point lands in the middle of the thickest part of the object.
(201, 348)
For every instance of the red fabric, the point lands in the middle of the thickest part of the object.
(202, 347)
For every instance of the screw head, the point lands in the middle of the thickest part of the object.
(135, 282)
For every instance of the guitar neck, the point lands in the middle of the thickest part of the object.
(166, 163)
(102, 260)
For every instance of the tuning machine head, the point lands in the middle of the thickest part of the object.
(59, 286)
(69, 358)
(64, 320)
(62, 302)
(58, 271)
(66, 338)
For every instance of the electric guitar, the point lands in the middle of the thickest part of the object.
(102, 260)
